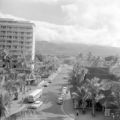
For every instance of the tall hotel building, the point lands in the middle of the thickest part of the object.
(17, 37)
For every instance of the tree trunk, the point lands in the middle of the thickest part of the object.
(93, 107)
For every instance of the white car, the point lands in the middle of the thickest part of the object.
(64, 90)
(35, 105)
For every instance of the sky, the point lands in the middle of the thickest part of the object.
(93, 22)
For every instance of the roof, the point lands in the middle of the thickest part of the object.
(11, 20)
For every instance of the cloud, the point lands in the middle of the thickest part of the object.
(92, 22)
(74, 34)
(47, 1)
(42, 1)
(100, 20)
(10, 17)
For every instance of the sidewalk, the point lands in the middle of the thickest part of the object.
(16, 105)
(68, 110)
(88, 116)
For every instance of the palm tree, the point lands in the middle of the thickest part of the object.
(11, 87)
(4, 102)
(116, 93)
(2, 108)
(93, 89)
(21, 81)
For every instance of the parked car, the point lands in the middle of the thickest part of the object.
(60, 101)
(49, 81)
(35, 105)
(63, 95)
(46, 84)
(64, 90)
(41, 84)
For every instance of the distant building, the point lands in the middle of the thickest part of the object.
(18, 38)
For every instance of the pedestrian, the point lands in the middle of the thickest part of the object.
(77, 112)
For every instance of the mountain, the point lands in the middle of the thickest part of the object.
(71, 49)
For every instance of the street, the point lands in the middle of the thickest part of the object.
(50, 110)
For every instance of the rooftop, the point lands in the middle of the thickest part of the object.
(10, 20)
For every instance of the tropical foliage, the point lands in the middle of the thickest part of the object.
(14, 81)
(11, 80)
(45, 65)
(4, 103)
(94, 78)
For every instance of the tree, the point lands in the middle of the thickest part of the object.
(96, 62)
(77, 76)
(116, 93)
(4, 101)
(80, 56)
(93, 89)
(21, 81)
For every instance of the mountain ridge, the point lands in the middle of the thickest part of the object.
(72, 49)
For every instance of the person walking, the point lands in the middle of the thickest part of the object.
(77, 112)
(77, 115)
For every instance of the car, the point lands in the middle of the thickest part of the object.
(41, 84)
(64, 90)
(46, 84)
(60, 101)
(65, 77)
(49, 81)
(35, 105)
(62, 95)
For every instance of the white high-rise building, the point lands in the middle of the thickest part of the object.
(18, 38)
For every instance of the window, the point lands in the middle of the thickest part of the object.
(29, 37)
(28, 33)
(9, 41)
(2, 40)
(22, 33)
(3, 32)
(3, 26)
(9, 37)
(21, 47)
(9, 31)
(9, 27)
(22, 37)
(16, 37)
(8, 46)
(15, 41)
(2, 36)
(15, 32)
(14, 46)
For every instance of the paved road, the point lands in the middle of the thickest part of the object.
(50, 110)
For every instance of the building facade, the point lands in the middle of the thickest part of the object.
(18, 38)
